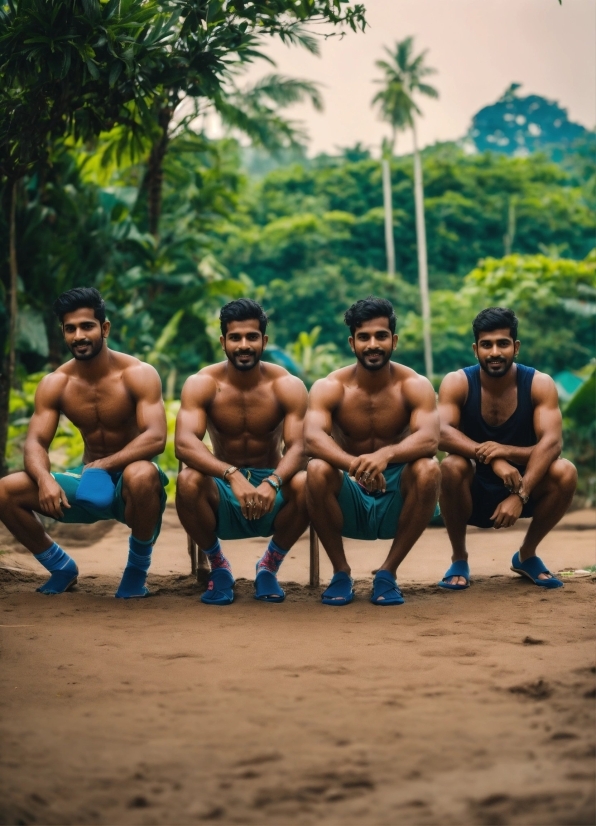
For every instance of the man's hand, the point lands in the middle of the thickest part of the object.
(507, 512)
(254, 502)
(487, 451)
(509, 474)
(368, 470)
(52, 498)
(98, 464)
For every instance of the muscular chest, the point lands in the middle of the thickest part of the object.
(257, 412)
(364, 416)
(106, 404)
(496, 410)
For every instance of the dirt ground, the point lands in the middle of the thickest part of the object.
(475, 707)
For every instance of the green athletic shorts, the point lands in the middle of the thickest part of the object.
(371, 515)
(231, 524)
(82, 513)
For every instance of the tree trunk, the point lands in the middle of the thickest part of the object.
(155, 171)
(388, 208)
(422, 258)
(8, 362)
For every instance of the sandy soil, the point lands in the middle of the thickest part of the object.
(457, 708)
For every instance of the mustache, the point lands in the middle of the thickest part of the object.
(374, 353)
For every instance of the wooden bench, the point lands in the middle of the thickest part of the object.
(200, 568)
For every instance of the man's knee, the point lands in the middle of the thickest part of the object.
(190, 484)
(425, 472)
(455, 470)
(295, 490)
(563, 474)
(13, 489)
(141, 478)
(320, 474)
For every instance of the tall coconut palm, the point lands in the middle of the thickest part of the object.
(403, 81)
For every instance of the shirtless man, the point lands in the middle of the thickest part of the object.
(251, 485)
(115, 401)
(501, 425)
(372, 430)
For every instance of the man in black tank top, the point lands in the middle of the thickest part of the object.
(501, 426)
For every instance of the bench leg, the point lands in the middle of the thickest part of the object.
(314, 558)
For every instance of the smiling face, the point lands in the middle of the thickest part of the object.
(244, 343)
(496, 351)
(373, 343)
(84, 334)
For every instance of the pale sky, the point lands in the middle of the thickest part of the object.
(478, 47)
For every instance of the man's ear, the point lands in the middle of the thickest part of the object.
(516, 346)
(105, 328)
(351, 343)
(222, 341)
(475, 349)
(395, 340)
(265, 340)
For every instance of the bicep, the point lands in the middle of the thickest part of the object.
(44, 422)
(424, 415)
(150, 412)
(295, 411)
(192, 416)
(319, 413)
(451, 399)
(548, 420)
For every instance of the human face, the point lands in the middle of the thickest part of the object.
(244, 344)
(496, 352)
(373, 343)
(84, 334)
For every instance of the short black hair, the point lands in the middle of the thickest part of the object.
(495, 318)
(367, 308)
(242, 309)
(79, 297)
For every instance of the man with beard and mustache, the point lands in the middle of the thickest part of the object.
(115, 401)
(501, 425)
(251, 484)
(372, 430)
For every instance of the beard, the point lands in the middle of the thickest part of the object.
(244, 366)
(378, 365)
(91, 350)
(496, 371)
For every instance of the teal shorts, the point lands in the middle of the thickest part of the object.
(371, 515)
(231, 524)
(82, 513)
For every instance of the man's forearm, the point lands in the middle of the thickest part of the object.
(144, 447)
(36, 461)
(326, 448)
(291, 462)
(453, 440)
(543, 455)
(417, 445)
(198, 456)
(517, 455)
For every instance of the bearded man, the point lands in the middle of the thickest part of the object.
(372, 430)
(115, 401)
(502, 428)
(251, 484)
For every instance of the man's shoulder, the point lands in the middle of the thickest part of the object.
(52, 385)
(331, 388)
(543, 387)
(133, 370)
(455, 384)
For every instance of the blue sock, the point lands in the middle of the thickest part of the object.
(135, 573)
(217, 558)
(62, 567)
(272, 558)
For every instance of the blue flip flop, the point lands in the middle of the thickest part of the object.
(459, 568)
(531, 568)
(267, 588)
(385, 585)
(339, 590)
(220, 588)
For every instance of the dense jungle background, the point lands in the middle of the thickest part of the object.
(169, 223)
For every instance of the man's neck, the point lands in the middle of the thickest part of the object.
(498, 384)
(244, 379)
(373, 380)
(96, 368)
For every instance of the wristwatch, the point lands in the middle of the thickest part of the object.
(523, 496)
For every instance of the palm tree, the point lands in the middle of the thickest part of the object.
(403, 79)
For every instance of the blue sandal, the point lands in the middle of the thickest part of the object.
(220, 588)
(267, 588)
(459, 568)
(339, 591)
(385, 586)
(531, 568)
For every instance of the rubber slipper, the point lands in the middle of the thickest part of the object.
(220, 588)
(531, 568)
(459, 568)
(385, 585)
(339, 590)
(267, 588)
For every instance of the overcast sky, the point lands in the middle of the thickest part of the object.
(478, 48)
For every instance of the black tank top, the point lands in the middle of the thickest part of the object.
(518, 430)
